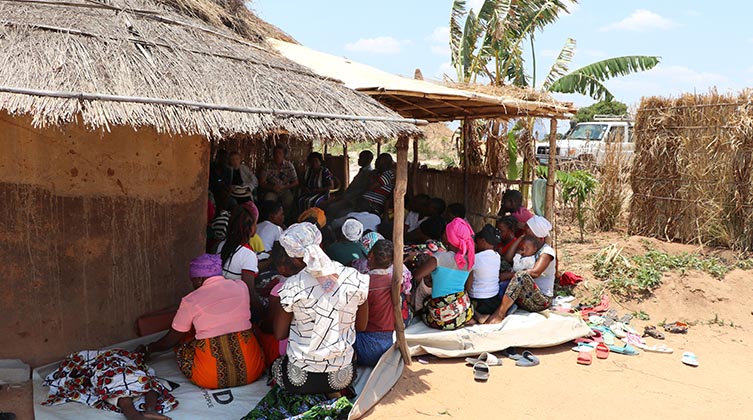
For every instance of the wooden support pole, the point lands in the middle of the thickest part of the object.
(467, 130)
(379, 149)
(346, 163)
(401, 183)
(414, 175)
(552, 166)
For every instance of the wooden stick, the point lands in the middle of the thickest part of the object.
(551, 179)
(467, 130)
(414, 181)
(401, 183)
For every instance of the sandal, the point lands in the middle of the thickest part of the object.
(481, 372)
(676, 327)
(488, 358)
(584, 358)
(651, 331)
(602, 351)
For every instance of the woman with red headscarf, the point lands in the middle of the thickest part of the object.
(449, 306)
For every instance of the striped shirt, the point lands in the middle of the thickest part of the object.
(378, 195)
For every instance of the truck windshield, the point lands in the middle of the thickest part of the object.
(588, 132)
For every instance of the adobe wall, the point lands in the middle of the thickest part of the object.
(96, 228)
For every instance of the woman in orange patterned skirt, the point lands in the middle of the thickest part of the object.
(211, 332)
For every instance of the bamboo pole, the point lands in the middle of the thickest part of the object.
(287, 113)
(401, 183)
(414, 181)
(346, 163)
(467, 130)
(552, 177)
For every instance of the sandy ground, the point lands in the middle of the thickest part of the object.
(648, 386)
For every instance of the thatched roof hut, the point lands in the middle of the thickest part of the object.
(106, 107)
(180, 66)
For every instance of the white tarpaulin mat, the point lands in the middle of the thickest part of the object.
(199, 403)
(521, 329)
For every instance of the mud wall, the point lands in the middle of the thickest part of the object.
(96, 228)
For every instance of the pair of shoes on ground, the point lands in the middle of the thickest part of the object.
(482, 363)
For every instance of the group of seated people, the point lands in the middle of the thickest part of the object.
(313, 300)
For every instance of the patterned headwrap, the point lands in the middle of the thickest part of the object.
(460, 235)
(302, 241)
(316, 213)
(352, 230)
(207, 265)
(368, 240)
(539, 226)
(251, 207)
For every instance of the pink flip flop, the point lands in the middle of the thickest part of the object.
(602, 351)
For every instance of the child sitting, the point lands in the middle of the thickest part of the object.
(525, 259)
(485, 287)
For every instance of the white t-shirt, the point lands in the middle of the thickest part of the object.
(413, 220)
(269, 234)
(546, 280)
(323, 330)
(244, 259)
(520, 263)
(370, 221)
(486, 275)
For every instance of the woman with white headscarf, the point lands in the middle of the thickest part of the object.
(322, 304)
(348, 248)
(531, 289)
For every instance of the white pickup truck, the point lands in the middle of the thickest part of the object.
(587, 142)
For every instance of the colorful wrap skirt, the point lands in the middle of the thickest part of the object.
(524, 291)
(99, 378)
(226, 361)
(448, 312)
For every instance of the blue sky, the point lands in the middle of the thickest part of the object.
(702, 45)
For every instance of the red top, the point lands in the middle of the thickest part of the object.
(381, 315)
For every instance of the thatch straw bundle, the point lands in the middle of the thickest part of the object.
(205, 51)
(693, 169)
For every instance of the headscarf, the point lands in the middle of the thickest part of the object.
(251, 207)
(316, 213)
(368, 240)
(207, 265)
(302, 240)
(352, 230)
(539, 226)
(460, 235)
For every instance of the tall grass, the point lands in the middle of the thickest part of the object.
(614, 189)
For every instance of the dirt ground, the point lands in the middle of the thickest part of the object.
(648, 386)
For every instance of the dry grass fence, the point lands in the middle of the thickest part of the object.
(693, 170)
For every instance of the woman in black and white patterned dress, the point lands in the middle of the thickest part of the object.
(322, 304)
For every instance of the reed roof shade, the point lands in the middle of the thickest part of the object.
(181, 66)
(419, 98)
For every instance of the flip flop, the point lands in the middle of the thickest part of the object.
(634, 340)
(584, 347)
(488, 358)
(512, 354)
(584, 358)
(627, 350)
(606, 334)
(651, 331)
(602, 351)
(618, 329)
(480, 372)
(661, 348)
(528, 360)
(596, 320)
(676, 327)
(689, 359)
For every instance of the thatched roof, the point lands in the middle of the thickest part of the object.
(422, 98)
(211, 54)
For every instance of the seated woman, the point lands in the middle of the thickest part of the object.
(112, 380)
(242, 179)
(322, 304)
(531, 289)
(239, 260)
(484, 291)
(449, 306)
(218, 310)
(271, 220)
(317, 183)
(347, 249)
(512, 203)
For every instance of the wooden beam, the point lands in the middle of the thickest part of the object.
(413, 104)
(552, 165)
(346, 163)
(414, 181)
(401, 183)
(467, 130)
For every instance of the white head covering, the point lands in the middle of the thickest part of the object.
(302, 240)
(539, 226)
(353, 230)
